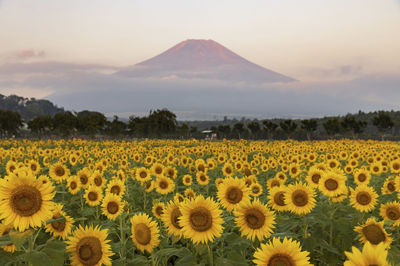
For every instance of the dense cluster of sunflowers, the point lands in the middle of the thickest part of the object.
(165, 202)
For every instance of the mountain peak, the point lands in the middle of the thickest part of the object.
(204, 59)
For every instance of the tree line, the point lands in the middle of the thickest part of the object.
(162, 123)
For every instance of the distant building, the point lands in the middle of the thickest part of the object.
(209, 134)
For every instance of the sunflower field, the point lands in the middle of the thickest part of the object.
(191, 202)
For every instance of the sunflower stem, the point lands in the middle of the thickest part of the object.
(305, 227)
(121, 229)
(153, 263)
(210, 255)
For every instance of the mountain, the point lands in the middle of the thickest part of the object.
(28, 108)
(202, 59)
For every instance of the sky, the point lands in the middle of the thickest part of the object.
(312, 41)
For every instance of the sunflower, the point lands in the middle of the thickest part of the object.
(376, 168)
(116, 187)
(170, 218)
(112, 206)
(254, 220)
(201, 220)
(10, 167)
(58, 172)
(389, 186)
(60, 229)
(157, 169)
(285, 253)
(84, 177)
(145, 233)
(202, 178)
(232, 192)
(34, 166)
(89, 246)
(4, 230)
(276, 198)
(142, 174)
(332, 184)
(164, 185)
(294, 170)
(395, 166)
(149, 186)
(300, 198)
(93, 195)
(187, 180)
(370, 255)
(256, 189)
(189, 193)
(44, 179)
(97, 179)
(372, 231)
(274, 182)
(158, 209)
(361, 177)
(227, 170)
(391, 212)
(73, 184)
(363, 198)
(25, 201)
(313, 177)
(178, 197)
(170, 172)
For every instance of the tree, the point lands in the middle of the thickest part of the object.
(10, 122)
(239, 129)
(349, 123)
(116, 127)
(40, 125)
(270, 127)
(64, 123)
(309, 125)
(254, 127)
(224, 131)
(91, 123)
(288, 126)
(332, 126)
(383, 122)
(162, 122)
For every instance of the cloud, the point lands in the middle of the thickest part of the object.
(28, 54)
(84, 86)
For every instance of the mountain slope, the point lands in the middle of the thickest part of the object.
(203, 59)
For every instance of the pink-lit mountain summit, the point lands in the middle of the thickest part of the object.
(203, 59)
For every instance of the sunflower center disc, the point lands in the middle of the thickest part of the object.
(92, 196)
(158, 170)
(275, 183)
(200, 219)
(391, 187)
(255, 219)
(115, 190)
(228, 170)
(98, 181)
(362, 177)
(142, 234)
(58, 226)
(393, 213)
(280, 260)
(234, 195)
(73, 185)
(315, 178)
(279, 199)
(396, 166)
(331, 184)
(59, 171)
(159, 210)
(89, 250)
(33, 167)
(374, 234)
(26, 200)
(84, 179)
(175, 214)
(163, 184)
(300, 198)
(363, 198)
(143, 174)
(112, 207)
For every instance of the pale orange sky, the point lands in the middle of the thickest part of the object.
(308, 39)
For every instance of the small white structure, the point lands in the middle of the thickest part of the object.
(209, 134)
